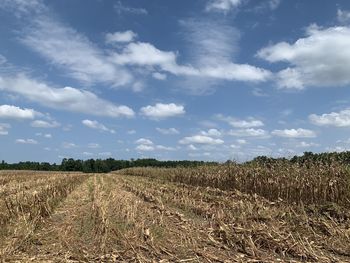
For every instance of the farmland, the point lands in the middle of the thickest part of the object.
(223, 213)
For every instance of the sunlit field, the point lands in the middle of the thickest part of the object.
(225, 213)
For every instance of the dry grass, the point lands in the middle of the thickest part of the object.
(207, 214)
(312, 184)
(27, 198)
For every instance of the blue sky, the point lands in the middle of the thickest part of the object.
(201, 79)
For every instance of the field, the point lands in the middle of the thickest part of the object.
(226, 213)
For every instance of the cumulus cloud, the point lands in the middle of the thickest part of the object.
(146, 145)
(294, 133)
(320, 59)
(144, 141)
(162, 111)
(68, 98)
(4, 128)
(45, 135)
(165, 148)
(337, 119)
(14, 112)
(97, 126)
(120, 37)
(169, 131)
(222, 5)
(249, 132)
(26, 141)
(237, 123)
(211, 132)
(200, 139)
(145, 148)
(45, 124)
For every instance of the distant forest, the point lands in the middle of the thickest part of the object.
(98, 165)
(110, 164)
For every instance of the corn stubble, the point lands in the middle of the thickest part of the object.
(224, 213)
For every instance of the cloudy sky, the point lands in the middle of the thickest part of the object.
(201, 79)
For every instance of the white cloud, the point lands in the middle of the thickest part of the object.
(191, 147)
(212, 46)
(144, 141)
(93, 145)
(131, 132)
(249, 132)
(294, 133)
(343, 16)
(14, 112)
(211, 132)
(121, 8)
(145, 54)
(170, 131)
(337, 119)
(46, 135)
(146, 145)
(222, 5)
(120, 37)
(26, 141)
(165, 148)
(4, 128)
(237, 123)
(159, 76)
(321, 58)
(67, 98)
(145, 148)
(71, 51)
(200, 139)
(97, 126)
(45, 124)
(162, 111)
(88, 154)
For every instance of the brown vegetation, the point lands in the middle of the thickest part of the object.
(208, 214)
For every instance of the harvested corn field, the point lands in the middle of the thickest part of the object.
(149, 215)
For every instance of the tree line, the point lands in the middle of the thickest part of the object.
(98, 165)
(308, 158)
(110, 164)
